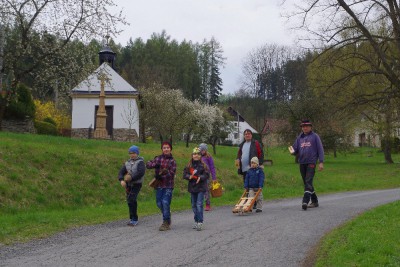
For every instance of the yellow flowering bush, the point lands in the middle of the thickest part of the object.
(48, 110)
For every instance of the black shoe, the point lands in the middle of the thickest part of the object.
(313, 205)
(304, 206)
(258, 210)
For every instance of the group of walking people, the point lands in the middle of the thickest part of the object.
(197, 172)
(201, 169)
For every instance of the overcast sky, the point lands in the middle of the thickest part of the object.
(238, 25)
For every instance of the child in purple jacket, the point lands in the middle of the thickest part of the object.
(208, 160)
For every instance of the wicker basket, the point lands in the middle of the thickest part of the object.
(216, 189)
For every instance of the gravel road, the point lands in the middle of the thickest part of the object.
(279, 236)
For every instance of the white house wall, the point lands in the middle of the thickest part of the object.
(83, 112)
(371, 139)
(239, 131)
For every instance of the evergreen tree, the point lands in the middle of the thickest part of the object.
(210, 60)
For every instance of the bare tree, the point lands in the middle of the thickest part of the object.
(259, 64)
(129, 116)
(358, 41)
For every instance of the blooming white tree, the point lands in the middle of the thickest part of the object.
(37, 34)
(168, 114)
(165, 111)
(211, 124)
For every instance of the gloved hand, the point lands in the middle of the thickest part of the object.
(127, 178)
(237, 163)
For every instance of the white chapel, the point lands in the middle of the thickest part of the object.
(119, 99)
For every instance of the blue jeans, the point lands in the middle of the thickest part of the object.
(197, 206)
(163, 200)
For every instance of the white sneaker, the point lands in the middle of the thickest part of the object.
(199, 226)
(194, 225)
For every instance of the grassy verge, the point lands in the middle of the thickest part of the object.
(49, 184)
(372, 239)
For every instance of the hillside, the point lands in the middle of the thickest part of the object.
(49, 184)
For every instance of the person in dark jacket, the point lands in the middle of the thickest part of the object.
(254, 181)
(248, 149)
(308, 147)
(131, 177)
(196, 172)
(165, 169)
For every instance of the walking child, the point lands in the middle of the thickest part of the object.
(165, 169)
(131, 177)
(209, 161)
(254, 181)
(196, 172)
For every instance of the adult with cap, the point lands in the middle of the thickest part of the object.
(131, 176)
(164, 167)
(209, 161)
(309, 148)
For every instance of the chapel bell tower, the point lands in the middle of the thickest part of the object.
(107, 55)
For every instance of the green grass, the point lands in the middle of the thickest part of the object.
(371, 239)
(49, 184)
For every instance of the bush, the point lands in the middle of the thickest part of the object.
(50, 120)
(47, 112)
(22, 105)
(43, 127)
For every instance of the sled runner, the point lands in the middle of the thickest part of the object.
(246, 203)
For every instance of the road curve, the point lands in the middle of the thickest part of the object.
(279, 236)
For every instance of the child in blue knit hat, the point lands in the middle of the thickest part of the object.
(131, 176)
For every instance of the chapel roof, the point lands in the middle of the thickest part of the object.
(116, 84)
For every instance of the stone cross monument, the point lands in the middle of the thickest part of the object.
(101, 132)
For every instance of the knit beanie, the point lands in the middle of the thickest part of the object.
(134, 149)
(166, 143)
(203, 147)
(255, 160)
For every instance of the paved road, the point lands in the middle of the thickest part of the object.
(279, 236)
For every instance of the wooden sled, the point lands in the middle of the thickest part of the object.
(246, 203)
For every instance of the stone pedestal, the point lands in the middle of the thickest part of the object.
(101, 132)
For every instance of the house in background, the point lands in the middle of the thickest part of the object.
(238, 127)
(122, 121)
(365, 137)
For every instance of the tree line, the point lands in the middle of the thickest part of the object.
(342, 71)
